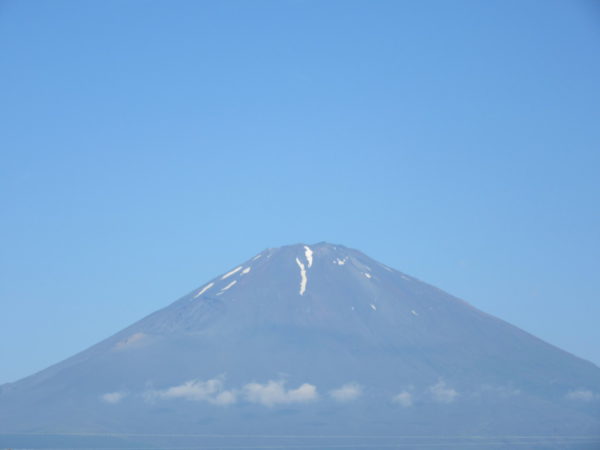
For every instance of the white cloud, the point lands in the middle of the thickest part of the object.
(210, 391)
(213, 391)
(225, 398)
(441, 393)
(113, 397)
(274, 392)
(194, 390)
(582, 395)
(404, 398)
(305, 393)
(346, 393)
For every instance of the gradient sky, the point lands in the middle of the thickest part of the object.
(147, 146)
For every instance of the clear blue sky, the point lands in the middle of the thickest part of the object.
(148, 146)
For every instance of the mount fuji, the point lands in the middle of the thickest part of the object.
(311, 346)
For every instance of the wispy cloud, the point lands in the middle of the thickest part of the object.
(496, 391)
(193, 390)
(346, 393)
(113, 397)
(582, 395)
(133, 341)
(404, 398)
(273, 393)
(441, 393)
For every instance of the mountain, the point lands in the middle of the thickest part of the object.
(314, 346)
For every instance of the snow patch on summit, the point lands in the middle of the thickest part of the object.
(309, 255)
(204, 289)
(228, 274)
(227, 287)
(303, 279)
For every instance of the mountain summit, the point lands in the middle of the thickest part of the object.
(315, 345)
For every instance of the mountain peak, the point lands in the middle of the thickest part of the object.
(321, 247)
(302, 265)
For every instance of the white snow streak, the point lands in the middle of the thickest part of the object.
(413, 312)
(227, 287)
(368, 275)
(309, 255)
(373, 307)
(340, 262)
(204, 289)
(256, 257)
(303, 278)
(246, 270)
(228, 274)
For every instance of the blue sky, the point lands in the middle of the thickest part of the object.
(148, 146)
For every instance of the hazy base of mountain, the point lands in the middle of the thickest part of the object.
(311, 347)
(281, 442)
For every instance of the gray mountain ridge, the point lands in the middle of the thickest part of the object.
(311, 345)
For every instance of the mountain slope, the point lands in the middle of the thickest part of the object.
(314, 340)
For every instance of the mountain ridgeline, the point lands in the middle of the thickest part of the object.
(317, 346)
